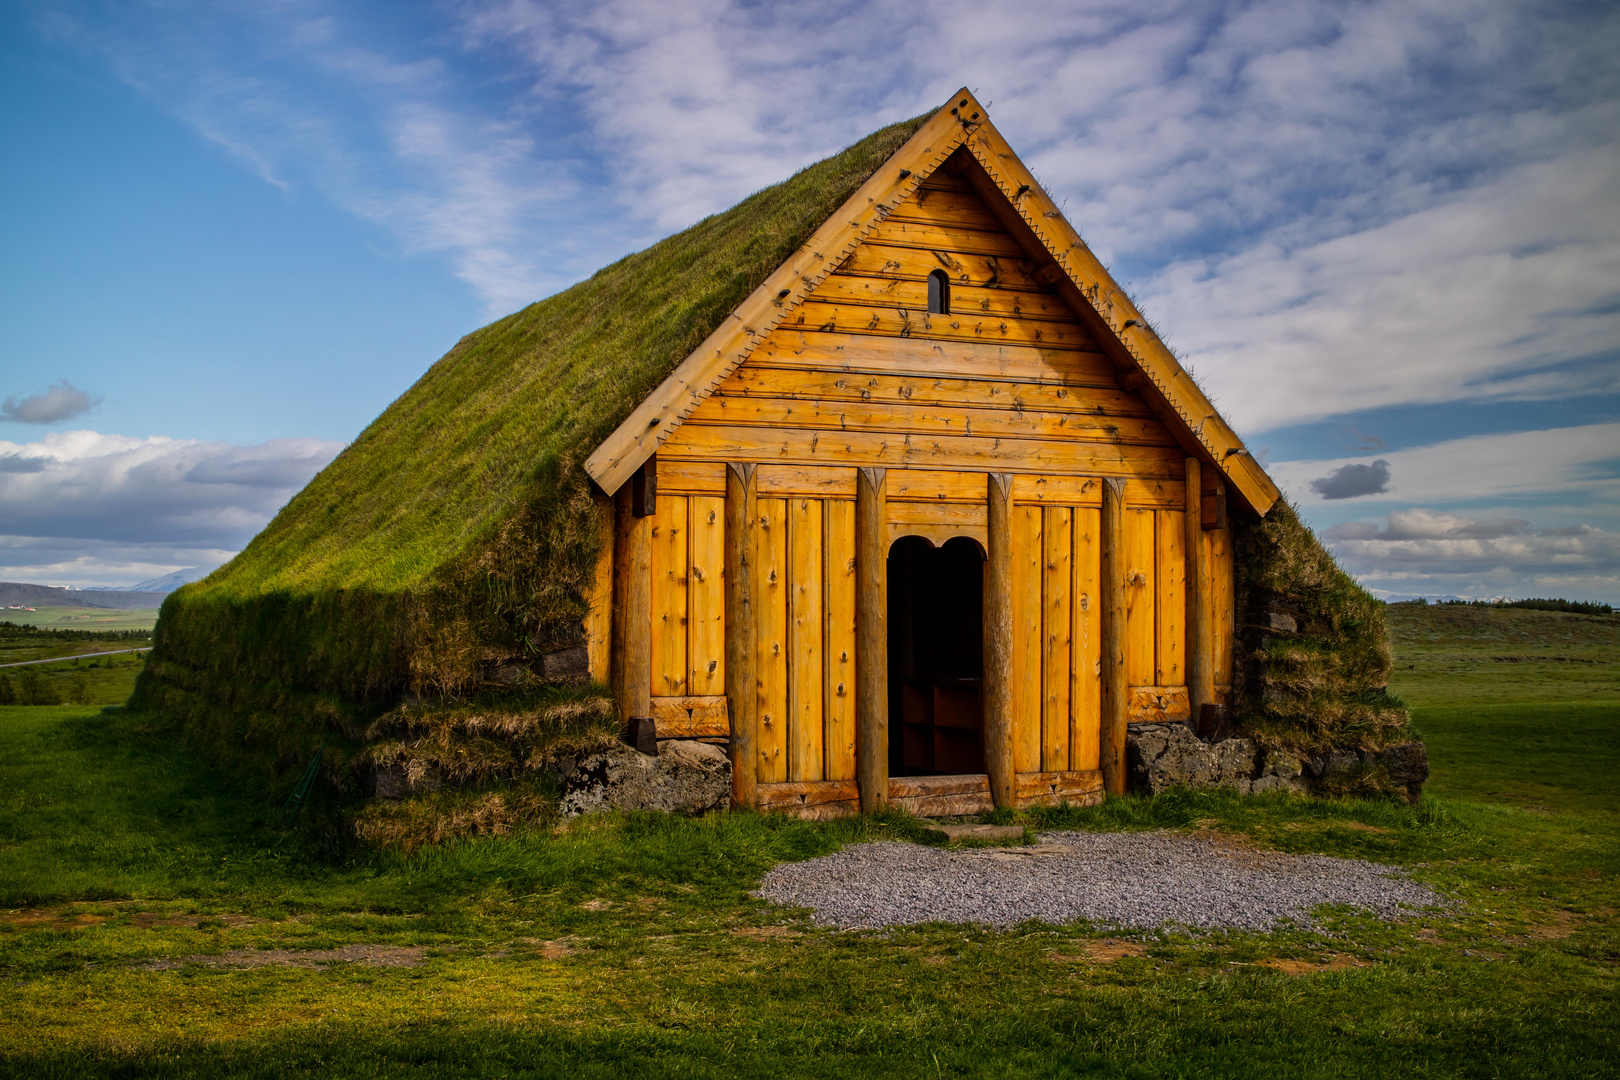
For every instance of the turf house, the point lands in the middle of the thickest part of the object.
(876, 479)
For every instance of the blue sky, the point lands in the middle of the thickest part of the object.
(1386, 236)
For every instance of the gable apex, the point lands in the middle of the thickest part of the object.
(958, 133)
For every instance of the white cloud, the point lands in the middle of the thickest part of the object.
(1330, 207)
(1554, 464)
(81, 495)
(1423, 551)
(392, 141)
(1486, 295)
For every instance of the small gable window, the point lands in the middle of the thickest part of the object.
(939, 293)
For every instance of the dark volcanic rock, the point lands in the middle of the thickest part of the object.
(686, 777)
(1159, 757)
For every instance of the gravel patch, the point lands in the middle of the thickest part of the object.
(1134, 879)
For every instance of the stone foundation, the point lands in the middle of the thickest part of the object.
(1159, 757)
(685, 777)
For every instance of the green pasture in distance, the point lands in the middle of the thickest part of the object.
(83, 618)
(131, 874)
(104, 680)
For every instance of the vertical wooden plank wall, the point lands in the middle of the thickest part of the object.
(806, 595)
(669, 613)
(804, 660)
(1057, 541)
(771, 639)
(599, 623)
(632, 603)
(1027, 579)
(838, 642)
(706, 596)
(1085, 695)
(1140, 579)
(1170, 598)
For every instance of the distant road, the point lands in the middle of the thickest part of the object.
(80, 656)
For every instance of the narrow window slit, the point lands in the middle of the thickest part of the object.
(939, 293)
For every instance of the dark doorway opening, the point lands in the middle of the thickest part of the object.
(936, 657)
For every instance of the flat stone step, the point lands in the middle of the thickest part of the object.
(982, 832)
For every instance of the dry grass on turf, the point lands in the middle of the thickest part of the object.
(630, 946)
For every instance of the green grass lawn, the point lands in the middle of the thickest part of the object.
(83, 618)
(629, 946)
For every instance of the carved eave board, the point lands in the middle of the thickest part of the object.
(1074, 295)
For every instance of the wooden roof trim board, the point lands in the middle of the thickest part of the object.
(963, 122)
(1151, 356)
(657, 417)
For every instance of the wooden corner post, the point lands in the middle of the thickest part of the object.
(632, 610)
(872, 639)
(741, 693)
(1200, 632)
(1115, 692)
(999, 690)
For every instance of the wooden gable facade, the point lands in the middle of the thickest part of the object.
(931, 518)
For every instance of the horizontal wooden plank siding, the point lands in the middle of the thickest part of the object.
(1073, 396)
(920, 326)
(691, 717)
(898, 450)
(989, 271)
(965, 299)
(1158, 704)
(1074, 787)
(997, 422)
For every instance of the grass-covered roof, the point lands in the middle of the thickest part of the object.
(456, 529)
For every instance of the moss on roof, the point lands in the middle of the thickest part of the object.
(457, 528)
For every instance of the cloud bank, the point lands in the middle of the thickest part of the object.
(85, 508)
(1426, 551)
(1328, 207)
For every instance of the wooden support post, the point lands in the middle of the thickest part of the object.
(632, 614)
(998, 641)
(644, 488)
(872, 639)
(741, 693)
(1115, 691)
(1199, 631)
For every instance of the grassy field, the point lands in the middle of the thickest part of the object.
(83, 618)
(138, 887)
(88, 677)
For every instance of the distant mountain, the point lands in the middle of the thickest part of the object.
(18, 594)
(165, 584)
(170, 582)
(1434, 598)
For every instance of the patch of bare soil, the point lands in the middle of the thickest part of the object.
(146, 920)
(310, 959)
(1563, 924)
(1102, 951)
(762, 932)
(597, 905)
(1021, 854)
(1331, 962)
(50, 919)
(57, 918)
(549, 950)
